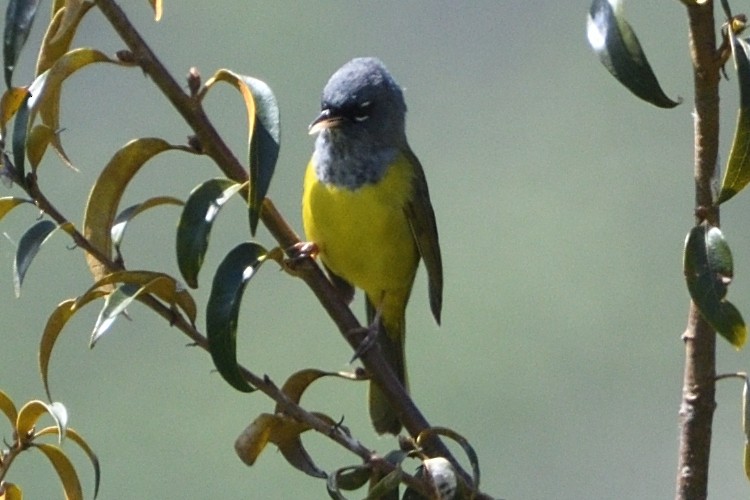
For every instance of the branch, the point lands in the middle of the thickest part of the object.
(214, 147)
(699, 380)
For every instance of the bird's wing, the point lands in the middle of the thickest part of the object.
(422, 221)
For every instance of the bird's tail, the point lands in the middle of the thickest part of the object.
(390, 340)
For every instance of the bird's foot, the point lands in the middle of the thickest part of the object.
(370, 332)
(299, 253)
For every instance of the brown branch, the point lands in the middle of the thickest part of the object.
(699, 380)
(212, 145)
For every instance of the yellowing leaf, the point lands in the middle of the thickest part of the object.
(65, 470)
(9, 491)
(108, 189)
(55, 323)
(9, 203)
(10, 102)
(60, 32)
(157, 6)
(37, 141)
(73, 435)
(8, 408)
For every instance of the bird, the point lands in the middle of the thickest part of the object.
(366, 210)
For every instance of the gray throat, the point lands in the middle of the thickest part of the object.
(349, 162)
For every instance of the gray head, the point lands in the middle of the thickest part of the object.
(363, 100)
(361, 124)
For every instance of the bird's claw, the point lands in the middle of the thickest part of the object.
(298, 254)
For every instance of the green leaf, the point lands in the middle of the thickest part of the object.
(708, 271)
(20, 129)
(65, 470)
(264, 146)
(222, 310)
(197, 219)
(28, 247)
(124, 217)
(19, 16)
(737, 172)
(263, 134)
(619, 50)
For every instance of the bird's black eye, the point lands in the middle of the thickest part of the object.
(362, 111)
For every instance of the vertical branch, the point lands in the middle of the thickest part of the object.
(698, 391)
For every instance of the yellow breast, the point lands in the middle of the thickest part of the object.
(363, 235)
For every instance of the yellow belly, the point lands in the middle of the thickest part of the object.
(363, 235)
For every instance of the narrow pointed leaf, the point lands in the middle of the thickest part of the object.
(737, 172)
(19, 17)
(115, 303)
(20, 130)
(65, 470)
(263, 136)
(28, 247)
(46, 89)
(158, 9)
(73, 435)
(39, 138)
(123, 218)
(60, 32)
(462, 441)
(619, 50)
(8, 408)
(708, 271)
(163, 286)
(11, 101)
(298, 383)
(197, 218)
(55, 323)
(264, 146)
(253, 440)
(9, 203)
(107, 192)
(223, 308)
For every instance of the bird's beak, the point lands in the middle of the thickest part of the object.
(326, 119)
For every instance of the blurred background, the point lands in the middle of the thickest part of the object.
(562, 203)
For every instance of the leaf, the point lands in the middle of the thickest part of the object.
(158, 9)
(28, 247)
(163, 286)
(11, 101)
(19, 16)
(462, 441)
(708, 269)
(197, 219)
(348, 478)
(107, 191)
(284, 432)
(387, 487)
(619, 50)
(65, 470)
(264, 146)
(298, 383)
(39, 138)
(223, 309)
(8, 408)
(29, 415)
(124, 217)
(47, 88)
(9, 491)
(737, 172)
(9, 203)
(263, 134)
(73, 435)
(20, 129)
(60, 32)
(55, 323)
(746, 424)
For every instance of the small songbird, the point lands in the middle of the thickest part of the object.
(367, 211)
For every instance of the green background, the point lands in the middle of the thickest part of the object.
(562, 203)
